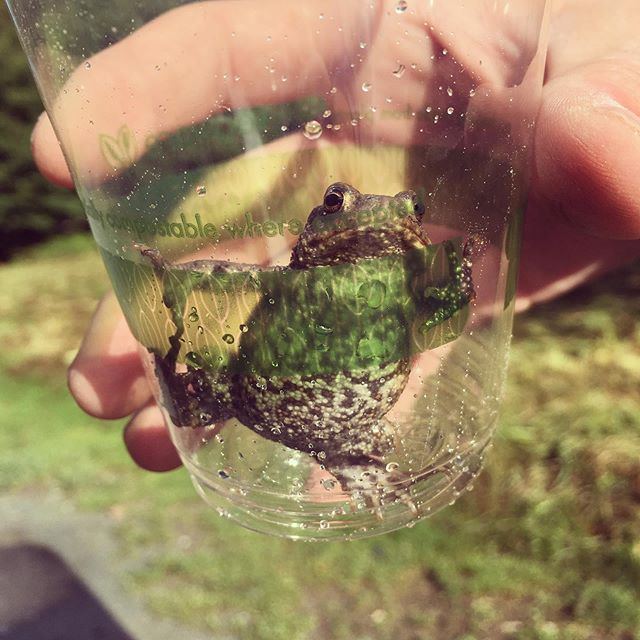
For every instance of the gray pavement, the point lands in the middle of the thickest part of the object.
(61, 578)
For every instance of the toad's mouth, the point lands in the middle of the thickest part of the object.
(371, 241)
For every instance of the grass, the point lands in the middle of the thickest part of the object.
(546, 547)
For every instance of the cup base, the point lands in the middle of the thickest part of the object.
(340, 517)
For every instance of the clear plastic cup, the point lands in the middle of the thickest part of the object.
(310, 213)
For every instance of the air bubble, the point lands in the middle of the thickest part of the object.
(193, 315)
(228, 338)
(201, 190)
(244, 328)
(449, 91)
(363, 45)
(324, 524)
(392, 466)
(450, 110)
(223, 474)
(399, 72)
(401, 7)
(312, 130)
(327, 113)
(366, 87)
(87, 65)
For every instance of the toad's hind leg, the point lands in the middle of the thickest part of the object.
(368, 474)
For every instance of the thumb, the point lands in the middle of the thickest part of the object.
(587, 147)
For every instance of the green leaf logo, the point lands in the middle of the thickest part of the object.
(118, 151)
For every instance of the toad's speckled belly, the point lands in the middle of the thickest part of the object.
(337, 415)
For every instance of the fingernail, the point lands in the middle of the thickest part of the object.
(606, 102)
(84, 393)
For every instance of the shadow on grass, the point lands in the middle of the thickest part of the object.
(42, 599)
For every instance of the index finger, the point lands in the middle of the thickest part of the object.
(187, 65)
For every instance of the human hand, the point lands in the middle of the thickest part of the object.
(585, 210)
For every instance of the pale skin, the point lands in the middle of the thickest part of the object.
(584, 215)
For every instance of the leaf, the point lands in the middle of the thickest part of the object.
(109, 147)
(127, 144)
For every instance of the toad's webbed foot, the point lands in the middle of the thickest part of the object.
(375, 484)
(193, 398)
(450, 298)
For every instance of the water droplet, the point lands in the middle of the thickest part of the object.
(333, 90)
(328, 484)
(223, 474)
(194, 359)
(322, 329)
(450, 110)
(244, 328)
(445, 52)
(399, 72)
(193, 315)
(284, 127)
(272, 301)
(327, 113)
(366, 86)
(472, 92)
(401, 7)
(363, 45)
(312, 130)
(200, 329)
(392, 466)
(324, 524)
(372, 293)
(201, 190)
(228, 338)
(354, 122)
(87, 65)
(449, 91)
(413, 66)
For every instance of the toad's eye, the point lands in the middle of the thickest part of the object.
(333, 201)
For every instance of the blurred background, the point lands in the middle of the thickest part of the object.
(546, 546)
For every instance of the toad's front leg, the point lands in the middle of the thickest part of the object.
(446, 300)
